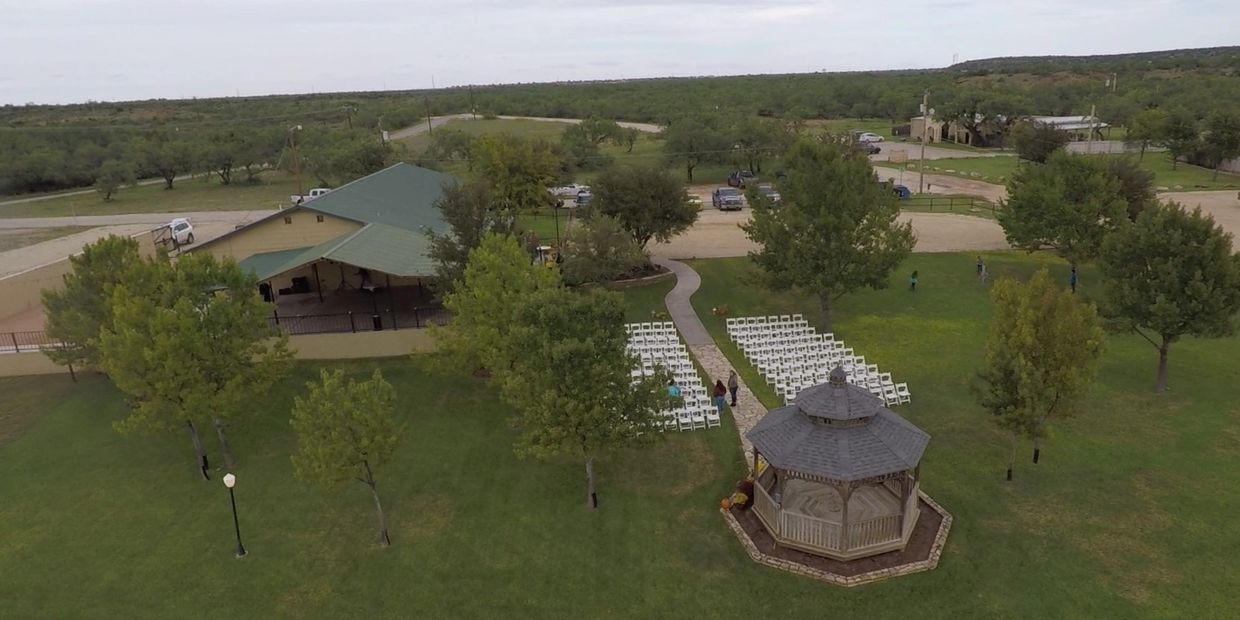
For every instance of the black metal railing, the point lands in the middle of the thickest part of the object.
(18, 342)
(346, 322)
(951, 204)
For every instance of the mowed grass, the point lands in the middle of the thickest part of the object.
(20, 238)
(1000, 169)
(203, 193)
(525, 128)
(1127, 516)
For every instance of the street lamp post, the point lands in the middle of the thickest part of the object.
(230, 481)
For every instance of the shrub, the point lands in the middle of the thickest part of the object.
(599, 250)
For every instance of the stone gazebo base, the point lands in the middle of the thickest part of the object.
(921, 554)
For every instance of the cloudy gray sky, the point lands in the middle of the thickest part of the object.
(75, 50)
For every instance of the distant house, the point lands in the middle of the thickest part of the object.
(355, 258)
(1077, 127)
(937, 130)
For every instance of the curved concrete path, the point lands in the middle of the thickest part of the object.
(748, 410)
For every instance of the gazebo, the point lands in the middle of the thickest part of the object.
(841, 472)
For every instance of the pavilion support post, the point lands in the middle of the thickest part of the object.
(845, 494)
(754, 468)
(391, 298)
(318, 282)
(906, 485)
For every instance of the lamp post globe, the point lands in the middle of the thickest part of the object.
(230, 480)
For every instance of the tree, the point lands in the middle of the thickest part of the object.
(448, 143)
(986, 113)
(1222, 138)
(1068, 204)
(190, 342)
(1146, 128)
(690, 141)
(166, 156)
(836, 230)
(78, 312)
(582, 151)
(1171, 274)
(1041, 355)
(599, 130)
(649, 202)
(1180, 135)
(519, 171)
(600, 250)
(112, 174)
(218, 153)
(1037, 141)
(1136, 184)
(470, 214)
(335, 157)
(627, 137)
(498, 278)
(570, 380)
(346, 430)
(754, 138)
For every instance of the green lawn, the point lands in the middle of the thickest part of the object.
(880, 126)
(1127, 516)
(14, 239)
(270, 191)
(517, 127)
(999, 169)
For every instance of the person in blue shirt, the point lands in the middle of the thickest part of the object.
(1072, 279)
(673, 390)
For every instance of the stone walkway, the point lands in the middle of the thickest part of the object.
(748, 410)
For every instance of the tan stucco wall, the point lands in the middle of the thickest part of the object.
(24, 290)
(390, 343)
(28, 363)
(274, 234)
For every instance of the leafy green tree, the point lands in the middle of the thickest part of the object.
(1146, 127)
(336, 157)
(190, 342)
(346, 430)
(112, 174)
(599, 130)
(1172, 274)
(1041, 356)
(471, 214)
(519, 171)
(1180, 134)
(1068, 205)
(987, 114)
(1222, 138)
(1037, 141)
(578, 147)
(166, 156)
(455, 144)
(570, 380)
(649, 202)
(690, 141)
(217, 153)
(498, 277)
(627, 137)
(754, 139)
(1136, 184)
(600, 250)
(77, 313)
(836, 230)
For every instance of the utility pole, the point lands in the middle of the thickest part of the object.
(429, 128)
(1089, 147)
(925, 126)
(473, 109)
(292, 141)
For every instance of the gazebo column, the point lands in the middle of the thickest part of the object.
(906, 486)
(845, 493)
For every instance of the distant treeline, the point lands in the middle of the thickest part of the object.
(45, 147)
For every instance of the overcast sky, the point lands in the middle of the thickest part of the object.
(58, 51)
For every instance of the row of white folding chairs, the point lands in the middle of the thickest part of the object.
(691, 419)
(753, 322)
(661, 326)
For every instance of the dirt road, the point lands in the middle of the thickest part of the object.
(437, 121)
(1223, 205)
(946, 184)
(718, 235)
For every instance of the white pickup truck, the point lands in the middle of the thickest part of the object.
(314, 193)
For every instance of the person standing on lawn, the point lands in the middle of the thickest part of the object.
(719, 395)
(912, 282)
(981, 268)
(734, 384)
(1072, 279)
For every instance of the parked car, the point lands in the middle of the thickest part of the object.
(182, 231)
(766, 189)
(584, 197)
(568, 190)
(867, 136)
(901, 192)
(869, 148)
(727, 199)
(314, 193)
(742, 179)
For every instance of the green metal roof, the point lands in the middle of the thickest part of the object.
(379, 247)
(402, 196)
(261, 265)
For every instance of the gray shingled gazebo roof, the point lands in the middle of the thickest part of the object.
(874, 443)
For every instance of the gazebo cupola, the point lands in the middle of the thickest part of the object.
(843, 472)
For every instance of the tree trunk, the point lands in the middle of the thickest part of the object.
(689, 171)
(1160, 385)
(199, 455)
(1012, 456)
(1142, 156)
(1037, 449)
(1214, 177)
(824, 312)
(168, 179)
(591, 496)
(384, 538)
(229, 463)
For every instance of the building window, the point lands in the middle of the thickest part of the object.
(319, 218)
(288, 219)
